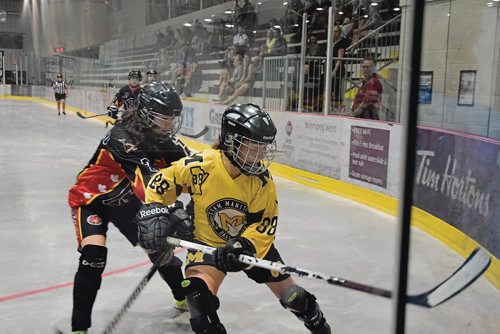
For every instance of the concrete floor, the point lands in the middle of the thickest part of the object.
(40, 155)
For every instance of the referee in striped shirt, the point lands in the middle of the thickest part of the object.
(60, 93)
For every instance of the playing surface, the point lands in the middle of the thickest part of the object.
(41, 154)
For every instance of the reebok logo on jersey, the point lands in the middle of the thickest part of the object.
(94, 220)
(154, 211)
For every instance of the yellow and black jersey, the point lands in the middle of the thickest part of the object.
(224, 208)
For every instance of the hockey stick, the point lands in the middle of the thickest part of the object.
(196, 135)
(133, 296)
(476, 264)
(85, 117)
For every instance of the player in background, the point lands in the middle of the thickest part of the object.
(151, 75)
(111, 189)
(126, 97)
(235, 210)
(60, 93)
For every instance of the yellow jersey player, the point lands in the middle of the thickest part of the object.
(235, 209)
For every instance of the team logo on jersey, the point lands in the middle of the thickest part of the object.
(227, 217)
(94, 220)
(129, 147)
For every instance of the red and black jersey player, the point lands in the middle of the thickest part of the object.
(126, 98)
(111, 188)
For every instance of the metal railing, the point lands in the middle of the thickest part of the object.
(281, 75)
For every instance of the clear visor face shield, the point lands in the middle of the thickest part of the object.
(164, 127)
(252, 156)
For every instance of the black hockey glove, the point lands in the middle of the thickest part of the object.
(226, 258)
(181, 221)
(113, 112)
(154, 226)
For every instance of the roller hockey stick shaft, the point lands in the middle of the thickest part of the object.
(476, 264)
(133, 296)
(85, 117)
(196, 135)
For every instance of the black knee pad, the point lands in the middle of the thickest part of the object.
(202, 306)
(92, 264)
(87, 283)
(304, 306)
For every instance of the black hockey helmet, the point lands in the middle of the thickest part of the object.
(250, 126)
(151, 75)
(134, 74)
(59, 75)
(160, 107)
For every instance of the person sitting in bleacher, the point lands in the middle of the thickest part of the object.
(216, 38)
(245, 16)
(193, 79)
(162, 61)
(291, 21)
(227, 88)
(281, 46)
(246, 83)
(241, 42)
(270, 42)
(373, 21)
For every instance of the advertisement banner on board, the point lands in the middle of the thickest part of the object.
(309, 142)
(458, 180)
(369, 154)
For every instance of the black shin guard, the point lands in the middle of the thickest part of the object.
(203, 307)
(304, 306)
(87, 283)
(171, 273)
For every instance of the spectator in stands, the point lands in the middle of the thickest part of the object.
(216, 39)
(228, 87)
(200, 40)
(224, 77)
(367, 101)
(246, 83)
(318, 11)
(247, 17)
(291, 20)
(193, 79)
(270, 41)
(347, 29)
(240, 42)
(339, 71)
(366, 26)
(314, 77)
(162, 61)
(280, 47)
(313, 49)
(187, 54)
(236, 12)
(161, 40)
(170, 38)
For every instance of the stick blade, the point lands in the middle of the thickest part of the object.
(475, 265)
(80, 115)
(195, 135)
